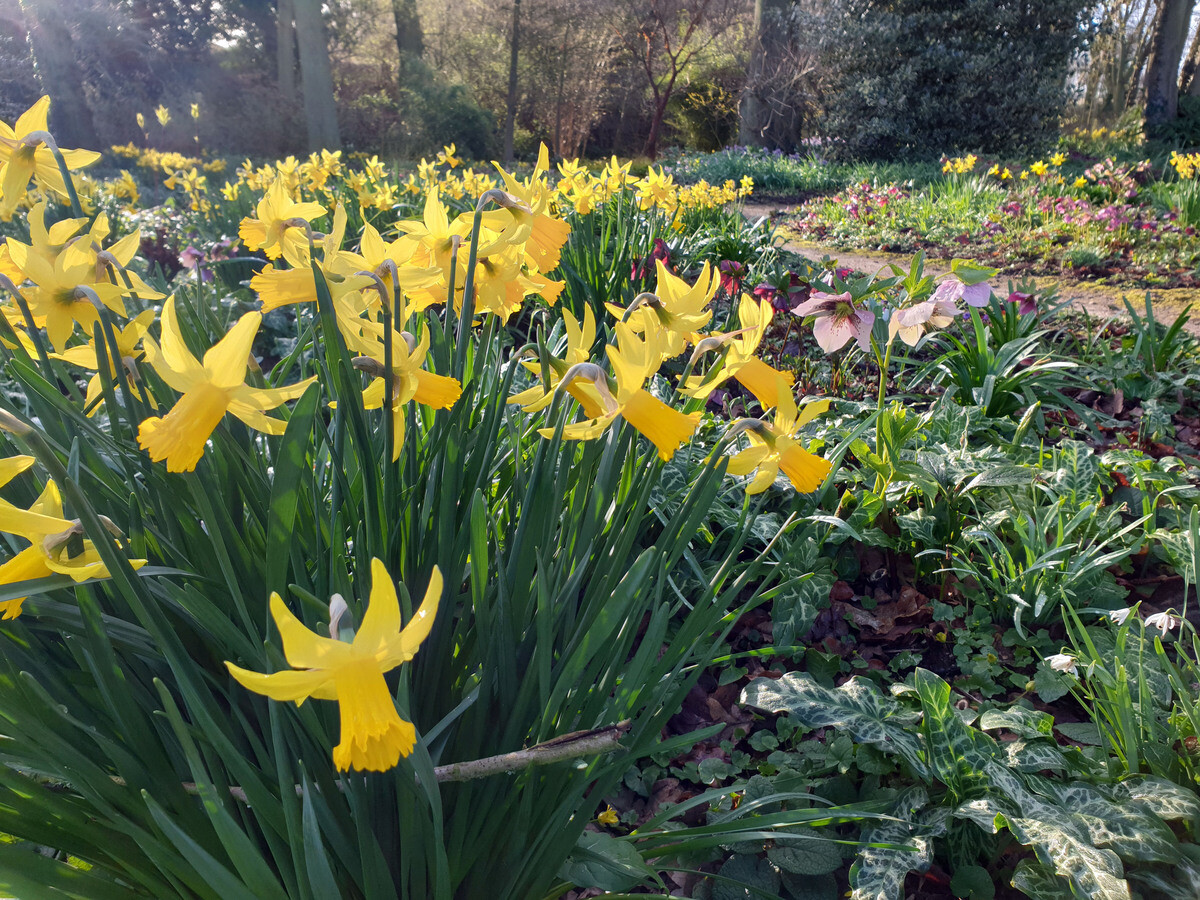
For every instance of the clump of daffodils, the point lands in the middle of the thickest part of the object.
(73, 300)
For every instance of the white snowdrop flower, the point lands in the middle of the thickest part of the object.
(1164, 621)
(1063, 662)
(1118, 616)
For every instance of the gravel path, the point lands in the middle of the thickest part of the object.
(1098, 300)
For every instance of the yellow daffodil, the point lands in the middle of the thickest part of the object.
(20, 161)
(740, 362)
(434, 233)
(210, 389)
(373, 736)
(409, 382)
(657, 189)
(773, 448)
(163, 115)
(1058, 159)
(580, 340)
(56, 547)
(499, 286)
(87, 357)
(678, 311)
(270, 231)
(374, 253)
(287, 287)
(541, 234)
(633, 361)
(55, 299)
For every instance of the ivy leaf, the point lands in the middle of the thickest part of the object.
(817, 856)
(750, 878)
(603, 862)
(972, 883)
(1051, 685)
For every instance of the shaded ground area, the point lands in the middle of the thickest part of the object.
(1099, 300)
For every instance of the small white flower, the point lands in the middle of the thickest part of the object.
(1063, 662)
(1118, 616)
(1164, 622)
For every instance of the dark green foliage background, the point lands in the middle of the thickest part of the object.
(920, 78)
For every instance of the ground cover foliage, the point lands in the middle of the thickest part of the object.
(802, 581)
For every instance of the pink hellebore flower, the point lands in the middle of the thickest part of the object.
(952, 289)
(190, 256)
(1026, 304)
(913, 322)
(838, 320)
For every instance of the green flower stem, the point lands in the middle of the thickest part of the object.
(44, 137)
(884, 365)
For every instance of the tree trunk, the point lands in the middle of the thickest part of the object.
(285, 49)
(1162, 71)
(1189, 83)
(660, 113)
(754, 111)
(60, 74)
(410, 39)
(510, 119)
(316, 77)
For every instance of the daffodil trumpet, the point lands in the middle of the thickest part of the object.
(597, 376)
(373, 736)
(35, 335)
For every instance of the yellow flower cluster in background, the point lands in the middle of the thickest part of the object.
(960, 165)
(1186, 165)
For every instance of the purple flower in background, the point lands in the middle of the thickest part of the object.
(732, 273)
(950, 290)
(190, 257)
(838, 320)
(768, 293)
(641, 269)
(1026, 304)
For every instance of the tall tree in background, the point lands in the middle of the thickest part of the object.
(771, 112)
(1167, 43)
(410, 39)
(59, 72)
(285, 49)
(664, 36)
(1189, 83)
(510, 117)
(316, 77)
